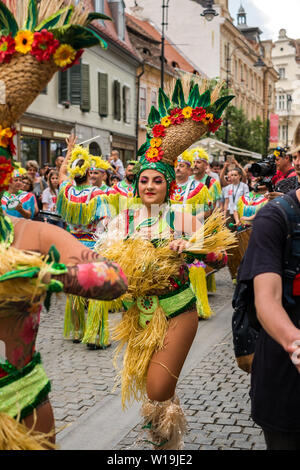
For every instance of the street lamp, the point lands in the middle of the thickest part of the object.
(209, 13)
(165, 6)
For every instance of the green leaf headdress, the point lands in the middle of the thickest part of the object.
(178, 123)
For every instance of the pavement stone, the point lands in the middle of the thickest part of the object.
(214, 394)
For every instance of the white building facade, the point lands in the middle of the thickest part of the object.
(286, 60)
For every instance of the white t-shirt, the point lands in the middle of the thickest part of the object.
(119, 167)
(49, 198)
(233, 192)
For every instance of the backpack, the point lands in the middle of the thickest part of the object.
(245, 325)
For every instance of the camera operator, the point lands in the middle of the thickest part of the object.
(285, 179)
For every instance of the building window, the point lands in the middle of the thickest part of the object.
(154, 98)
(281, 101)
(103, 94)
(143, 102)
(74, 87)
(117, 100)
(126, 104)
(281, 72)
(94, 149)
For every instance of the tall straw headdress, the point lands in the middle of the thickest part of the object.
(37, 39)
(178, 123)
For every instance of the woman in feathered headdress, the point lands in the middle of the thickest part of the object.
(36, 40)
(148, 241)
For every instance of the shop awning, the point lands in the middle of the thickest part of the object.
(212, 144)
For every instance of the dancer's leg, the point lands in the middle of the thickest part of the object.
(166, 365)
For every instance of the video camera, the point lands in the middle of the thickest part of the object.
(265, 170)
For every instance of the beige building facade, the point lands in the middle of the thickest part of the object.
(221, 50)
(286, 59)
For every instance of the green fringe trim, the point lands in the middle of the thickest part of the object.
(28, 410)
(97, 323)
(211, 283)
(74, 317)
(16, 374)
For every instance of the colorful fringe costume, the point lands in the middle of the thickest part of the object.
(83, 209)
(38, 38)
(248, 205)
(158, 278)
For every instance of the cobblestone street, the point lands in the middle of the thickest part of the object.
(214, 392)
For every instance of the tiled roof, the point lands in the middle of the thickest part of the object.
(171, 53)
(109, 31)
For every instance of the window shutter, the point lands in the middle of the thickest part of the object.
(126, 104)
(103, 94)
(85, 104)
(63, 87)
(75, 82)
(117, 100)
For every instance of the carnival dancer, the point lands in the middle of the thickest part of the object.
(98, 167)
(201, 162)
(31, 53)
(160, 321)
(81, 206)
(96, 335)
(249, 204)
(194, 198)
(15, 201)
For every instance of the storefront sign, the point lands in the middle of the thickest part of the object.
(32, 130)
(61, 135)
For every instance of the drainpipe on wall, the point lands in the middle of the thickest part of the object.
(138, 108)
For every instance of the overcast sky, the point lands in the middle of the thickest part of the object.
(270, 16)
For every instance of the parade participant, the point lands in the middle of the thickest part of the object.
(201, 162)
(160, 321)
(249, 204)
(17, 202)
(188, 192)
(80, 205)
(125, 187)
(29, 60)
(96, 335)
(295, 152)
(98, 167)
(194, 197)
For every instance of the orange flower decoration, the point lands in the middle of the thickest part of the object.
(156, 142)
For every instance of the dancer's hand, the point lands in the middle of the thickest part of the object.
(178, 245)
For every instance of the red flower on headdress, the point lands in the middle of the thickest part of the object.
(154, 154)
(198, 114)
(11, 146)
(176, 116)
(159, 131)
(6, 172)
(44, 45)
(75, 61)
(214, 126)
(7, 48)
(173, 188)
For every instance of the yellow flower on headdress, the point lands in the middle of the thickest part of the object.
(200, 154)
(166, 121)
(156, 142)
(187, 112)
(209, 118)
(64, 55)
(5, 135)
(276, 153)
(23, 41)
(74, 169)
(98, 164)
